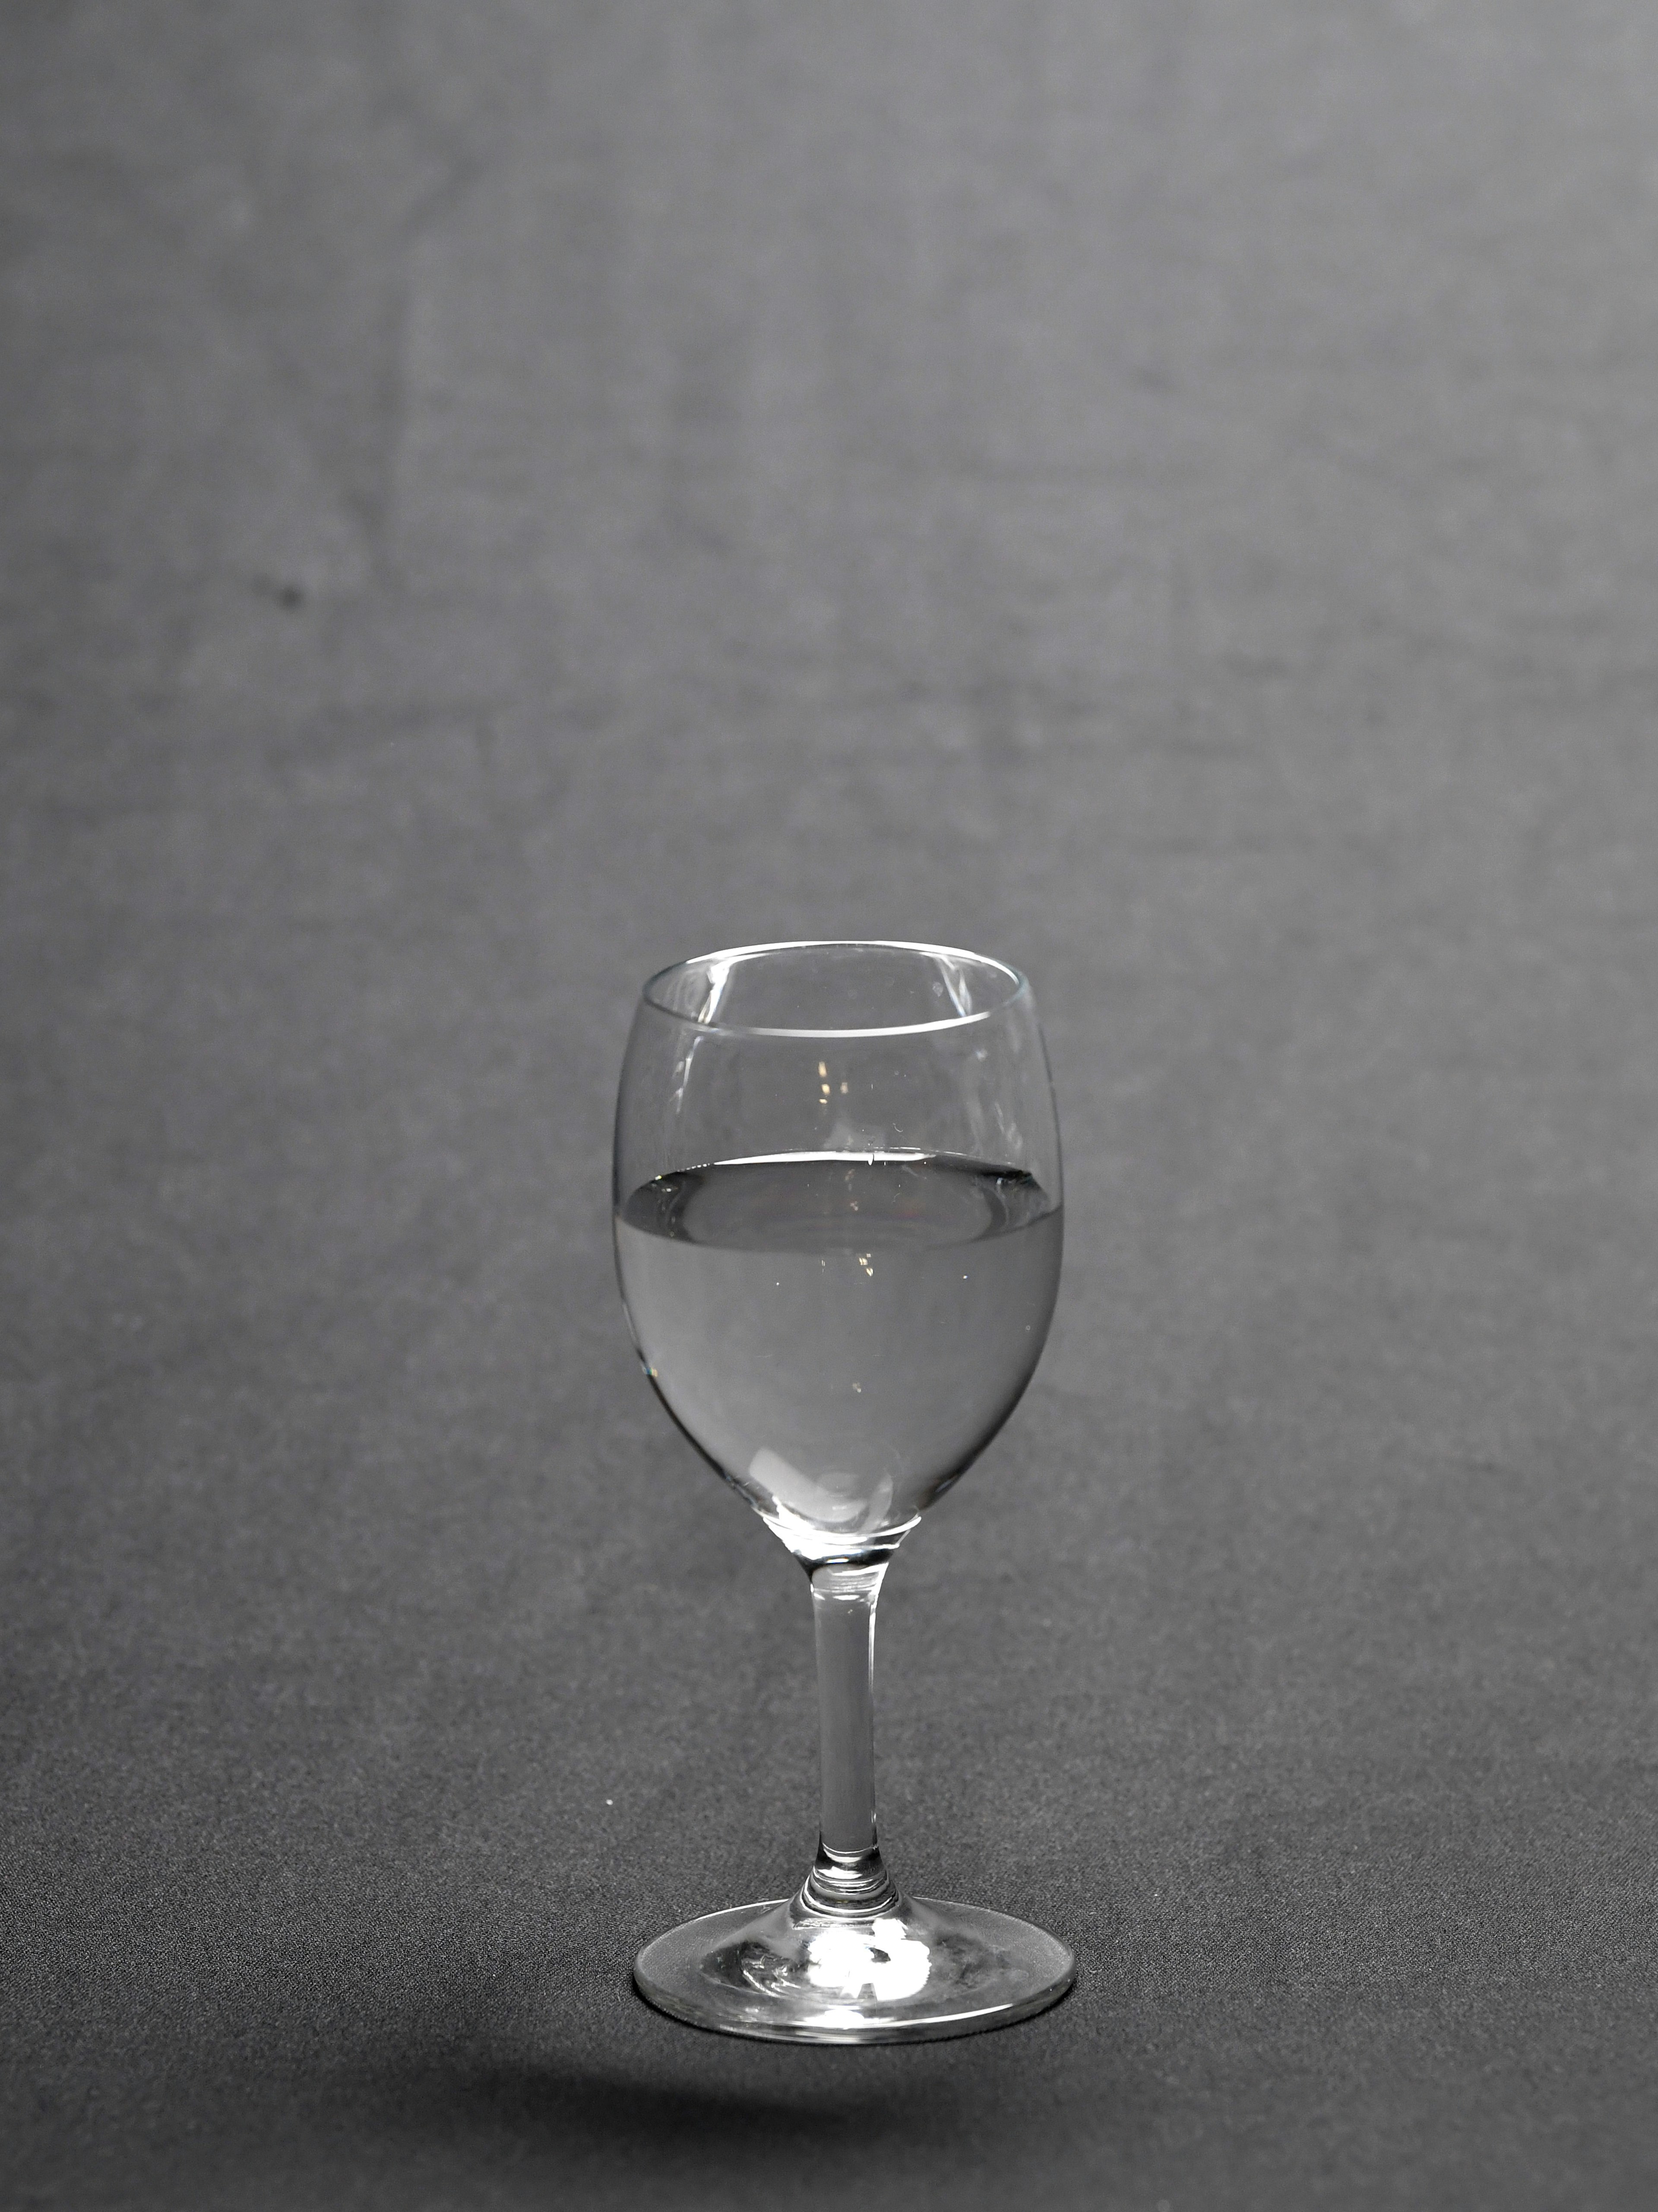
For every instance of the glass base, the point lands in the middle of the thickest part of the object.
(916, 1971)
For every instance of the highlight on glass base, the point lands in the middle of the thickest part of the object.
(838, 1227)
(919, 1971)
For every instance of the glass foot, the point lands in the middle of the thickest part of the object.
(917, 1970)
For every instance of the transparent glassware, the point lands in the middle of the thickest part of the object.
(838, 1227)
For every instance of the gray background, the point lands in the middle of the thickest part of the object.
(501, 494)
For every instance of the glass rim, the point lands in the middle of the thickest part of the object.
(731, 955)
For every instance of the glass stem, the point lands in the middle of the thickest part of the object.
(848, 1878)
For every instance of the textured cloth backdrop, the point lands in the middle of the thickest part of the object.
(500, 493)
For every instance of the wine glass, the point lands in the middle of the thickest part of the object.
(838, 1218)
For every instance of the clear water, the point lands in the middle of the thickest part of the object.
(840, 1335)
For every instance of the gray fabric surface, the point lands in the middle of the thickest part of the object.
(499, 496)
